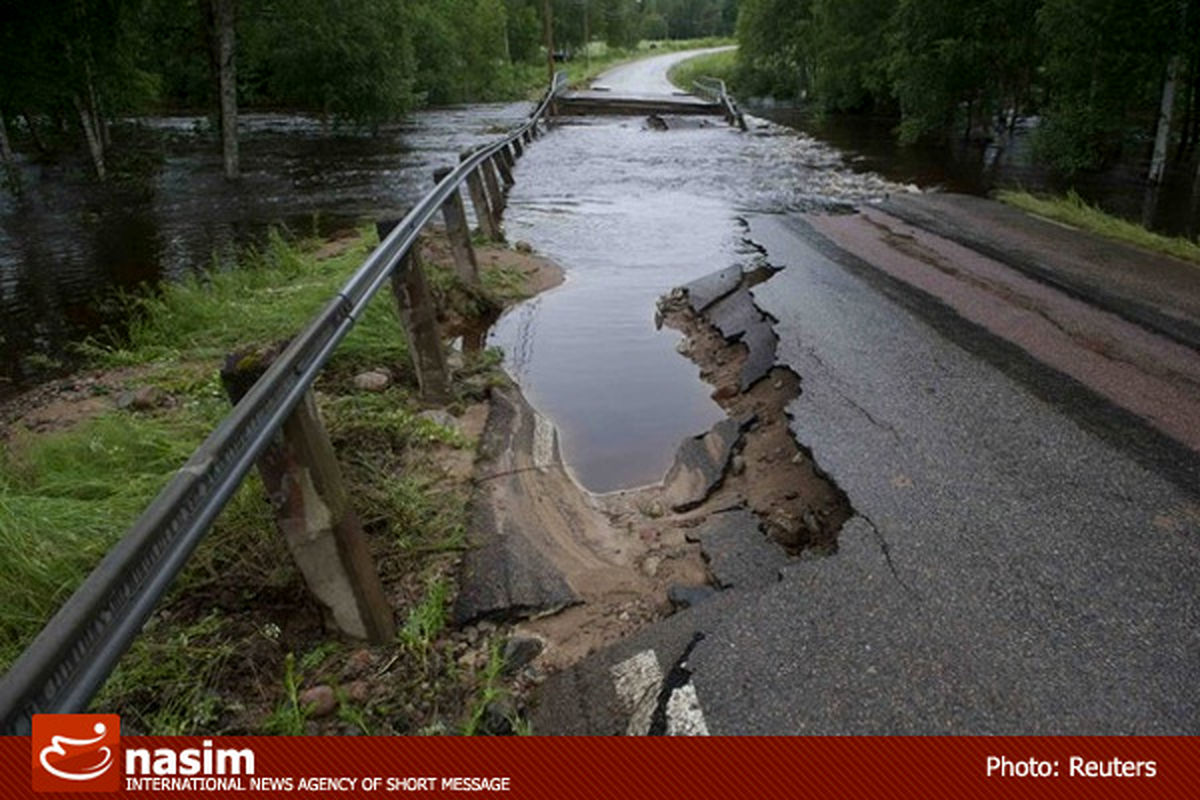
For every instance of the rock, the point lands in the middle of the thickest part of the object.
(358, 691)
(359, 663)
(650, 565)
(687, 596)
(320, 701)
(375, 380)
(497, 718)
(141, 399)
(439, 417)
(737, 464)
(700, 466)
(523, 247)
(454, 360)
(725, 392)
(519, 651)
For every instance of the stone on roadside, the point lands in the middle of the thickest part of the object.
(687, 596)
(375, 380)
(319, 701)
(519, 651)
(523, 247)
(141, 399)
(439, 417)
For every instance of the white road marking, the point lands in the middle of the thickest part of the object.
(638, 681)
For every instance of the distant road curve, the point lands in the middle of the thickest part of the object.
(649, 75)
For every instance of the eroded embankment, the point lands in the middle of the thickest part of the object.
(572, 572)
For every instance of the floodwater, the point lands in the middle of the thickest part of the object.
(978, 168)
(631, 213)
(67, 243)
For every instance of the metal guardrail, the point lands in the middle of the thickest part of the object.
(73, 655)
(715, 88)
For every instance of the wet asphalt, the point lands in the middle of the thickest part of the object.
(1017, 564)
(1024, 554)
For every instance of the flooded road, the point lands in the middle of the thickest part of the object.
(631, 212)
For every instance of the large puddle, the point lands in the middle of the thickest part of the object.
(630, 213)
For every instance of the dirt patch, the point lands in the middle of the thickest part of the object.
(770, 474)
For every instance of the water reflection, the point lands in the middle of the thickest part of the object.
(67, 242)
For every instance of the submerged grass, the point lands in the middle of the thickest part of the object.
(1074, 210)
(211, 657)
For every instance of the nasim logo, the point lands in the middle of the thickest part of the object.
(76, 752)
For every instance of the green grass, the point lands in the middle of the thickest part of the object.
(713, 65)
(581, 69)
(1073, 210)
(239, 607)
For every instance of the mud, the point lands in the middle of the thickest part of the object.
(770, 474)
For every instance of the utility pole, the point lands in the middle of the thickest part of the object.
(548, 25)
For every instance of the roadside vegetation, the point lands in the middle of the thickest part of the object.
(1074, 210)
(713, 65)
(237, 647)
(1095, 73)
(70, 73)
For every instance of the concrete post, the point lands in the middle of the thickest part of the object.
(458, 232)
(483, 210)
(503, 167)
(493, 187)
(419, 317)
(312, 510)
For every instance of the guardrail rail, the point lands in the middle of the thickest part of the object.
(715, 88)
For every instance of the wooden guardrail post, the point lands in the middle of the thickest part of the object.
(501, 160)
(458, 232)
(518, 148)
(483, 210)
(493, 189)
(312, 510)
(418, 315)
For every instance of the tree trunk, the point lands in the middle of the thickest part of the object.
(548, 32)
(38, 141)
(1158, 162)
(223, 14)
(8, 159)
(87, 121)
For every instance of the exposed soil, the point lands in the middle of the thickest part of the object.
(770, 474)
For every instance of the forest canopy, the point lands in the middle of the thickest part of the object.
(1098, 74)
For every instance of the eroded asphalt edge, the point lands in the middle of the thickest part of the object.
(871, 646)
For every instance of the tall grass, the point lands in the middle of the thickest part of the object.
(713, 65)
(1074, 210)
(67, 496)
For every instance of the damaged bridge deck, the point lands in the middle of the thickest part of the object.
(604, 102)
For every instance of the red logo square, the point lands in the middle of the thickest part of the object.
(76, 753)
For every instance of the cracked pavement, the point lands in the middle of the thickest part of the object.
(1023, 559)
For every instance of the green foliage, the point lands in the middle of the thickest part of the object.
(1074, 210)
(713, 65)
(289, 716)
(427, 620)
(1104, 65)
(350, 60)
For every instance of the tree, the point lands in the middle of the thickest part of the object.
(774, 53)
(222, 18)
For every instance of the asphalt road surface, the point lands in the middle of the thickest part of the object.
(1021, 454)
(648, 76)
